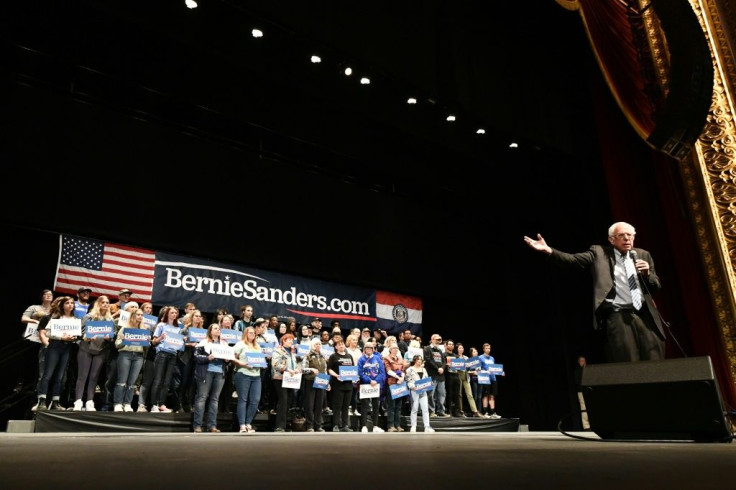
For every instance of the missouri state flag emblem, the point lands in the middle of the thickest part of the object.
(397, 312)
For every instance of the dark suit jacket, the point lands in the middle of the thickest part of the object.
(600, 261)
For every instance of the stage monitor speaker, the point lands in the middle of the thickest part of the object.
(670, 400)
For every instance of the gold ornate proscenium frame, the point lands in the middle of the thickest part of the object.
(709, 171)
(709, 175)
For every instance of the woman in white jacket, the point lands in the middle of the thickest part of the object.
(416, 372)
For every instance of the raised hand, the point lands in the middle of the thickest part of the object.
(539, 244)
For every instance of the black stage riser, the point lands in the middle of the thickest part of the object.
(70, 421)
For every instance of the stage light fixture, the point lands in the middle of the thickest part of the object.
(257, 33)
(513, 145)
(190, 4)
(451, 118)
(316, 59)
(348, 71)
(411, 100)
(365, 81)
(480, 131)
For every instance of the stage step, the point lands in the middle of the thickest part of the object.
(21, 426)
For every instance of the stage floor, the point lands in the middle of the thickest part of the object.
(266, 460)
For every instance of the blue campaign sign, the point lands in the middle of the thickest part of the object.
(136, 336)
(348, 373)
(267, 348)
(457, 364)
(197, 335)
(98, 328)
(398, 390)
(321, 381)
(302, 350)
(495, 368)
(484, 379)
(423, 385)
(327, 351)
(256, 359)
(173, 341)
(472, 363)
(150, 321)
(230, 336)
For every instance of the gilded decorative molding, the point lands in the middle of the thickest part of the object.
(709, 175)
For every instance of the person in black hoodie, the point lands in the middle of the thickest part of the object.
(435, 362)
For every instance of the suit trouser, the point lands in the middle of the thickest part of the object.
(630, 336)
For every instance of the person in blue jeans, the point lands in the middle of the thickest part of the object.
(58, 344)
(130, 362)
(247, 380)
(209, 374)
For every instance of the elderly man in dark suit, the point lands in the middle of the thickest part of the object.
(623, 282)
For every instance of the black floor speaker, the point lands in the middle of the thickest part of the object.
(670, 400)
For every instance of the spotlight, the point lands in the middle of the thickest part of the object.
(480, 131)
(365, 81)
(513, 145)
(411, 100)
(316, 59)
(348, 71)
(257, 33)
(191, 4)
(451, 118)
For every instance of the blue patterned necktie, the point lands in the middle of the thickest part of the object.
(633, 285)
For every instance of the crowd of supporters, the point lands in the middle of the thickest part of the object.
(338, 374)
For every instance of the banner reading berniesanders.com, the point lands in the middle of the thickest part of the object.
(211, 285)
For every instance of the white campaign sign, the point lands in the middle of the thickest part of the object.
(69, 326)
(222, 351)
(293, 381)
(31, 332)
(370, 391)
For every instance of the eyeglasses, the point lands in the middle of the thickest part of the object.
(621, 236)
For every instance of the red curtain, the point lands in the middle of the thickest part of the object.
(646, 190)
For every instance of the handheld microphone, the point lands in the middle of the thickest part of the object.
(634, 256)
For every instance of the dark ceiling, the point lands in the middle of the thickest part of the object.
(151, 124)
(221, 131)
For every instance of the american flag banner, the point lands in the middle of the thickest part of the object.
(104, 267)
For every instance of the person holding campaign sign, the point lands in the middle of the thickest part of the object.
(372, 376)
(436, 364)
(341, 386)
(284, 369)
(58, 331)
(352, 348)
(489, 391)
(465, 383)
(182, 384)
(31, 317)
(313, 365)
(419, 382)
(168, 340)
(98, 329)
(394, 366)
(249, 361)
(130, 340)
(453, 383)
(149, 357)
(211, 357)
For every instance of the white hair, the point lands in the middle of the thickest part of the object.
(612, 228)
